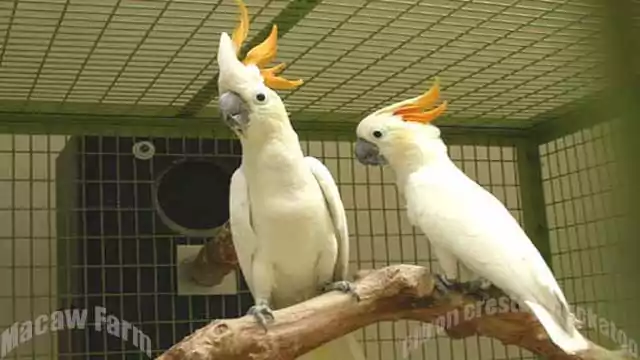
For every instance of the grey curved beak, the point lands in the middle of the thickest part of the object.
(368, 153)
(233, 110)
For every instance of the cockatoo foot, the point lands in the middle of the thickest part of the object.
(476, 288)
(342, 286)
(444, 285)
(262, 313)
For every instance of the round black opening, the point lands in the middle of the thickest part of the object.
(194, 195)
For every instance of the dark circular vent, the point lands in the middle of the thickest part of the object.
(194, 195)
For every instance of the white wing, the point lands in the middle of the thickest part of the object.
(244, 238)
(338, 216)
(461, 216)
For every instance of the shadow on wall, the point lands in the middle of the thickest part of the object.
(124, 205)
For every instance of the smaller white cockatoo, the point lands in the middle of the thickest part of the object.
(465, 224)
(287, 219)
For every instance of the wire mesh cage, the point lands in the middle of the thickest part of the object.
(101, 100)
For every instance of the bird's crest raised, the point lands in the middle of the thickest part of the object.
(262, 54)
(413, 109)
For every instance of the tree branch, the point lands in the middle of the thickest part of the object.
(392, 293)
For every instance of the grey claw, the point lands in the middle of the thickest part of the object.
(475, 288)
(342, 286)
(444, 285)
(262, 313)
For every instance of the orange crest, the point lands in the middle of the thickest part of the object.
(413, 110)
(262, 54)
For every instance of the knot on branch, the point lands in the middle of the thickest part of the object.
(404, 280)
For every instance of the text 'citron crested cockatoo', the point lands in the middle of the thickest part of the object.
(465, 224)
(287, 218)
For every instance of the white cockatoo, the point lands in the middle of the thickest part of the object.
(287, 219)
(465, 224)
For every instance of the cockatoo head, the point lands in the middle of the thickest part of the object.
(401, 131)
(246, 87)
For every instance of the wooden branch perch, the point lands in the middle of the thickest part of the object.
(392, 293)
(216, 259)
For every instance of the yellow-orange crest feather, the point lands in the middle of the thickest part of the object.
(262, 54)
(413, 111)
(242, 30)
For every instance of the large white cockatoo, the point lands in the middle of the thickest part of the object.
(465, 224)
(287, 219)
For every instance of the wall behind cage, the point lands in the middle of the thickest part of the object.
(132, 274)
(585, 213)
(120, 253)
(28, 239)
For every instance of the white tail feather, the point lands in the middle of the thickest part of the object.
(574, 343)
(344, 348)
(570, 342)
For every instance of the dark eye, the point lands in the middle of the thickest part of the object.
(260, 97)
(377, 134)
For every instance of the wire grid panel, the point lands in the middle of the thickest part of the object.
(131, 274)
(381, 235)
(498, 59)
(580, 175)
(78, 230)
(121, 255)
(28, 238)
(115, 51)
